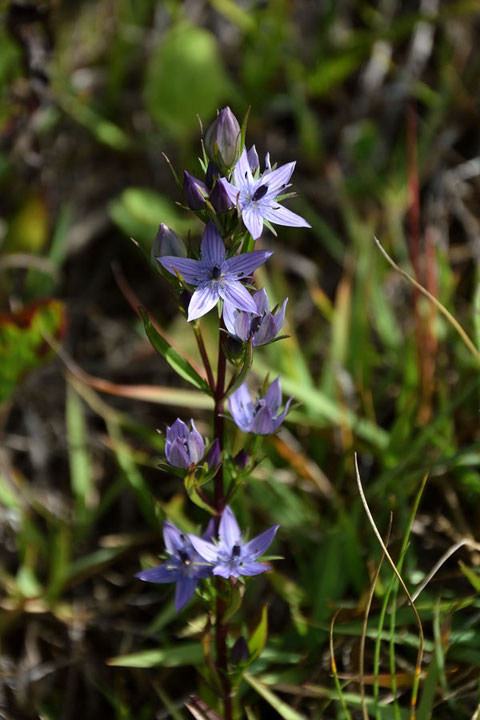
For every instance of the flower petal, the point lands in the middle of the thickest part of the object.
(281, 216)
(225, 571)
(207, 550)
(280, 317)
(160, 574)
(254, 568)
(261, 301)
(263, 422)
(257, 546)
(278, 420)
(252, 157)
(212, 248)
(229, 532)
(205, 297)
(242, 172)
(177, 429)
(177, 455)
(252, 219)
(244, 265)
(277, 179)
(191, 270)
(235, 293)
(266, 331)
(230, 189)
(196, 444)
(242, 325)
(184, 590)
(241, 407)
(273, 397)
(173, 538)
(230, 313)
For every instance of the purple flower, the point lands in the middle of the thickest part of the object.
(183, 567)
(195, 191)
(216, 276)
(261, 327)
(222, 140)
(230, 556)
(257, 197)
(184, 447)
(262, 417)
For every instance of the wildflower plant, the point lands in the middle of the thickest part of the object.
(235, 201)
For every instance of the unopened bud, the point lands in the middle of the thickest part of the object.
(212, 174)
(222, 140)
(241, 459)
(239, 652)
(195, 191)
(219, 198)
(167, 242)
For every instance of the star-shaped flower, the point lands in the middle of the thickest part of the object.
(256, 197)
(184, 566)
(230, 556)
(216, 276)
(261, 327)
(261, 417)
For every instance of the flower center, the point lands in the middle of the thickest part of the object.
(184, 557)
(216, 272)
(259, 193)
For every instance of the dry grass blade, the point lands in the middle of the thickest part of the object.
(365, 623)
(418, 666)
(461, 543)
(468, 342)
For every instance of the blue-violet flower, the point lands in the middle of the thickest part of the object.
(230, 556)
(216, 276)
(257, 197)
(261, 417)
(184, 447)
(183, 567)
(261, 327)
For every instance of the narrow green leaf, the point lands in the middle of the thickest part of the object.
(175, 656)
(258, 639)
(181, 366)
(284, 710)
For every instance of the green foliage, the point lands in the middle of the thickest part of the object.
(200, 84)
(24, 341)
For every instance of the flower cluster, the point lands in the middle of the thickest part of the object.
(192, 558)
(235, 201)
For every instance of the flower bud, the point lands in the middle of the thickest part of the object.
(241, 460)
(195, 191)
(222, 140)
(167, 242)
(219, 198)
(212, 174)
(240, 653)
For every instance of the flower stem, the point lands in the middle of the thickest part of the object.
(221, 630)
(204, 356)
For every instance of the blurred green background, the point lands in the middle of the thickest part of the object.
(379, 103)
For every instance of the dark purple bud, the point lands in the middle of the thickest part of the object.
(241, 459)
(220, 199)
(212, 456)
(212, 174)
(222, 140)
(195, 191)
(167, 242)
(234, 349)
(239, 651)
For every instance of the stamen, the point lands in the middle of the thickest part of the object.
(259, 193)
(236, 551)
(216, 272)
